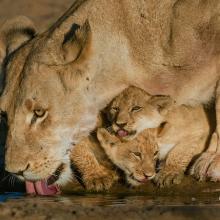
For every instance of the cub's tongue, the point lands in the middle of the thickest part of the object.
(41, 188)
(122, 133)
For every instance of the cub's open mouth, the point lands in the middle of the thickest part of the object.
(47, 186)
(124, 133)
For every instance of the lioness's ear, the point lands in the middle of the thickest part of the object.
(76, 42)
(14, 33)
(163, 103)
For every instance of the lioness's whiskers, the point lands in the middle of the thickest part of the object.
(5, 177)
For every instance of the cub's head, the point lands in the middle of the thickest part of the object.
(137, 158)
(134, 110)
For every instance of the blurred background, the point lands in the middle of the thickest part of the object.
(42, 12)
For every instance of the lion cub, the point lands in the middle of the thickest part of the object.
(137, 157)
(181, 134)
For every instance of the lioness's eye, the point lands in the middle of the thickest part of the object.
(136, 108)
(39, 112)
(39, 115)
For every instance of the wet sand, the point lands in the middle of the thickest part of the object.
(190, 200)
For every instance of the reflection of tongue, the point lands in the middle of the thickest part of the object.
(41, 188)
(122, 133)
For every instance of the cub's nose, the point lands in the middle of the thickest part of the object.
(149, 175)
(121, 125)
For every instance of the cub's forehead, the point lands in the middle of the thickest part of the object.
(131, 96)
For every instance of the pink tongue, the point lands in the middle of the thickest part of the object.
(122, 133)
(41, 188)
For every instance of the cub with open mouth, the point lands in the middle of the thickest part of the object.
(129, 115)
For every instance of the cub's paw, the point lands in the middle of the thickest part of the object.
(168, 178)
(100, 181)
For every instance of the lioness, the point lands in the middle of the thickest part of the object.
(56, 82)
(182, 133)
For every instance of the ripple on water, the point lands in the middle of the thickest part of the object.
(118, 199)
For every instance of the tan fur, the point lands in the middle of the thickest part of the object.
(134, 157)
(182, 132)
(163, 47)
(96, 170)
(134, 110)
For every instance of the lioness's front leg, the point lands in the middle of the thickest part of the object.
(95, 177)
(177, 161)
(207, 165)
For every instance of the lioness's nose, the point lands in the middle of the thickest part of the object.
(17, 170)
(21, 172)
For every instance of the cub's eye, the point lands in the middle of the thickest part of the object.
(115, 109)
(136, 108)
(39, 112)
(137, 154)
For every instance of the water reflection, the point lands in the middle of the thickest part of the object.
(187, 194)
(14, 195)
(90, 200)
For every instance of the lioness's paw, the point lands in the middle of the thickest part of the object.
(203, 166)
(213, 172)
(101, 181)
(168, 178)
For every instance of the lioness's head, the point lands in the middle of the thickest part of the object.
(134, 110)
(45, 96)
(137, 158)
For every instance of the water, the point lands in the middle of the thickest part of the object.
(190, 200)
(203, 205)
(11, 195)
(119, 199)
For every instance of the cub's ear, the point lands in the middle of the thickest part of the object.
(162, 103)
(76, 42)
(14, 33)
